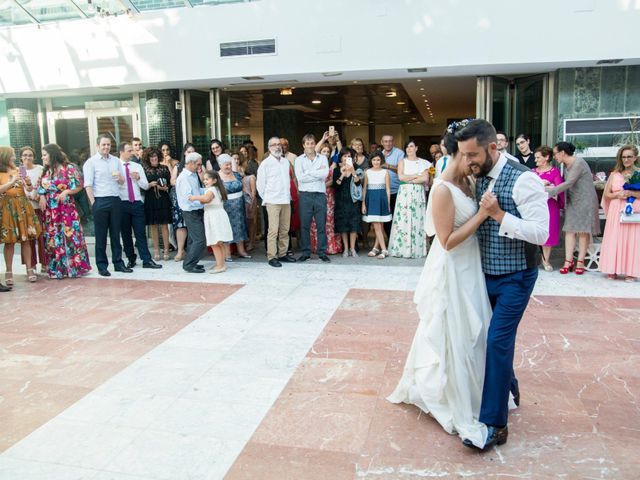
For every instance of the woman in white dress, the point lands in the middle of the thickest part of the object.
(444, 371)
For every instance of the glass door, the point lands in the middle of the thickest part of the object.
(120, 124)
(529, 113)
(500, 104)
(70, 130)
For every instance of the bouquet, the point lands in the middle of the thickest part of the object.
(632, 183)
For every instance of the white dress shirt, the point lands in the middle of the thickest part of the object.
(312, 174)
(100, 173)
(187, 184)
(273, 181)
(142, 183)
(530, 198)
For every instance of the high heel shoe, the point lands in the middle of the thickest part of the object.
(156, 257)
(8, 279)
(31, 275)
(165, 257)
(178, 257)
(567, 267)
(580, 270)
(547, 266)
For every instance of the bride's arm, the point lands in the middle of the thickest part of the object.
(443, 215)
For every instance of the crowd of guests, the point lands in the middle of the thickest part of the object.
(329, 199)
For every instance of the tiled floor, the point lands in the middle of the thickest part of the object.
(98, 389)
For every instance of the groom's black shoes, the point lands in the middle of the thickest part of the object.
(516, 396)
(495, 436)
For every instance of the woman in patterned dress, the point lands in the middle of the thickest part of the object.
(65, 248)
(234, 206)
(407, 239)
(334, 240)
(19, 220)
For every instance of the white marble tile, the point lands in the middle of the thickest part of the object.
(79, 444)
(16, 469)
(119, 476)
(228, 388)
(171, 456)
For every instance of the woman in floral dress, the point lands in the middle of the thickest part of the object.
(65, 249)
(407, 238)
(18, 220)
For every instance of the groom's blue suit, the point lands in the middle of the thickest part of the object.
(510, 262)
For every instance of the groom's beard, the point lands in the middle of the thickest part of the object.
(486, 167)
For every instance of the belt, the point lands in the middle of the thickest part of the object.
(233, 196)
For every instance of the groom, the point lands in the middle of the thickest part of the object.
(516, 202)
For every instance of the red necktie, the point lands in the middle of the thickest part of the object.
(132, 196)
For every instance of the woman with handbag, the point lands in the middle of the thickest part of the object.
(407, 239)
(620, 249)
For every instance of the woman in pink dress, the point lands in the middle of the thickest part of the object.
(334, 242)
(620, 249)
(549, 175)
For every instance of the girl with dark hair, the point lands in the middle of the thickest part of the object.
(18, 221)
(216, 148)
(581, 206)
(157, 203)
(525, 155)
(376, 198)
(347, 212)
(407, 238)
(551, 177)
(166, 155)
(65, 248)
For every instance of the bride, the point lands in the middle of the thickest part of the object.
(444, 372)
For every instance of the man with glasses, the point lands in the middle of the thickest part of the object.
(503, 146)
(274, 186)
(188, 185)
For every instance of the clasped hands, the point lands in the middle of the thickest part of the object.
(489, 203)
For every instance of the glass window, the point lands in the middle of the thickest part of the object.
(214, 2)
(50, 10)
(97, 7)
(157, 4)
(12, 14)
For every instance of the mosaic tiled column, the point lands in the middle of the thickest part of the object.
(163, 120)
(22, 115)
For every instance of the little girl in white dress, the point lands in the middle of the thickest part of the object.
(217, 227)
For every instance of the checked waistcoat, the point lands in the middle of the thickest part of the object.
(503, 255)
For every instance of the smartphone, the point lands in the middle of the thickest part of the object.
(23, 171)
(349, 162)
(332, 130)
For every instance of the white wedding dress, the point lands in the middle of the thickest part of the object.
(444, 372)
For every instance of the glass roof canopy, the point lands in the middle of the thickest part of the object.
(21, 12)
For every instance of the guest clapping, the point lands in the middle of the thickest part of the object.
(620, 249)
(551, 177)
(581, 212)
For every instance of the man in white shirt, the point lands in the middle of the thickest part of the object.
(516, 201)
(311, 171)
(188, 185)
(132, 216)
(102, 179)
(392, 157)
(274, 186)
(503, 146)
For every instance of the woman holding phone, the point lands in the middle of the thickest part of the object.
(34, 172)
(347, 213)
(19, 220)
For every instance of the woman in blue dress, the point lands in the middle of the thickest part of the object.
(234, 206)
